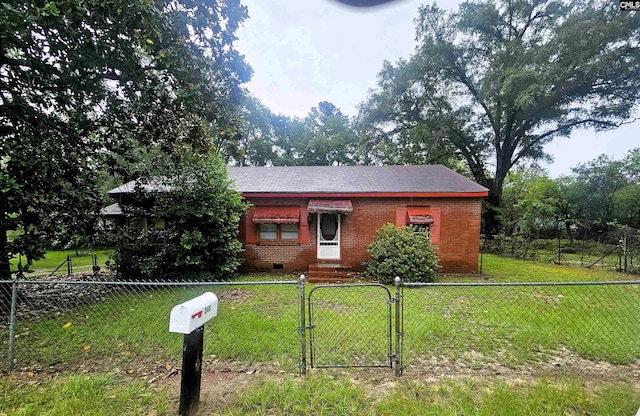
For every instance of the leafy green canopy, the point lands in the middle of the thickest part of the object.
(494, 81)
(599, 196)
(84, 84)
(325, 137)
(200, 216)
(401, 251)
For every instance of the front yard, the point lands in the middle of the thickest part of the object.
(478, 350)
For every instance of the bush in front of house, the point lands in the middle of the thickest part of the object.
(193, 216)
(401, 251)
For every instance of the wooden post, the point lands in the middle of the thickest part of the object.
(191, 372)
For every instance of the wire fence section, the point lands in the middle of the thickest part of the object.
(73, 325)
(350, 326)
(453, 327)
(440, 328)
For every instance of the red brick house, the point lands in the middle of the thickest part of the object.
(321, 218)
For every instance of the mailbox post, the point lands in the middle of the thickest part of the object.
(189, 318)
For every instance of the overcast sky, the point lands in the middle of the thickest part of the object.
(307, 51)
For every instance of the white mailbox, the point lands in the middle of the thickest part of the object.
(191, 315)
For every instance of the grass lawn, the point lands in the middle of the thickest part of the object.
(83, 395)
(323, 394)
(53, 259)
(476, 329)
(259, 323)
(504, 269)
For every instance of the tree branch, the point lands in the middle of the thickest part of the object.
(522, 153)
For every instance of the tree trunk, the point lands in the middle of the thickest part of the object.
(491, 215)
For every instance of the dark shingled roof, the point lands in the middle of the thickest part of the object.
(351, 179)
(340, 179)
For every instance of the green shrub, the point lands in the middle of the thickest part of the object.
(198, 236)
(401, 251)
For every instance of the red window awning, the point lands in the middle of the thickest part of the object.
(420, 215)
(317, 206)
(276, 215)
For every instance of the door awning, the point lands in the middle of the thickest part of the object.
(276, 215)
(420, 215)
(318, 206)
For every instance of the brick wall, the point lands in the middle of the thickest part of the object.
(457, 249)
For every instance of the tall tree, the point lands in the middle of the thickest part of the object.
(626, 207)
(497, 80)
(328, 138)
(253, 143)
(82, 82)
(324, 137)
(596, 183)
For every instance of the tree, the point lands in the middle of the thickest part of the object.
(606, 192)
(535, 206)
(253, 143)
(84, 83)
(626, 208)
(200, 215)
(596, 183)
(325, 137)
(496, 81)
(328, 138)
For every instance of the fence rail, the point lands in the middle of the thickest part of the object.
(55, 325)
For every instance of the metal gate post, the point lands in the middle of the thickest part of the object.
(12, 322)
(399, 322)
(302, 327)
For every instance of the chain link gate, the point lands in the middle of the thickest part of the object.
(351, 325)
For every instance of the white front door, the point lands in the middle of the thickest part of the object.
(328, 236)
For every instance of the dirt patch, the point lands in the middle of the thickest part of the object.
(234, 296)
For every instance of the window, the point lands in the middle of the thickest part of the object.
(138, 223)
(421, 229)
(289, 232)
(268, 231)
(157, 223)
(147, 223)
(278, 232)
(425, 219)
(275, 223)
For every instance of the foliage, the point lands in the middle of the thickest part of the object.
(605, 192)
(201, 214)
(328, 139)
(494, 82)
(599, 198)
(401, 251)
(325, 137)
(86, 84)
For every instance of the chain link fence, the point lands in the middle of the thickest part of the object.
(618, 250)
(494, 327)
(99, 325)
(350, 326)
